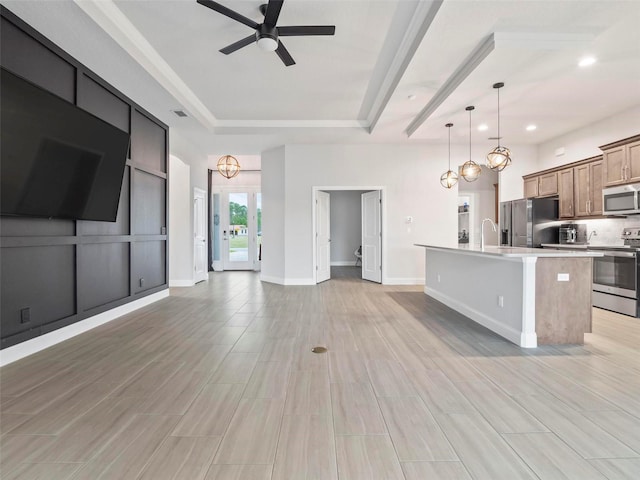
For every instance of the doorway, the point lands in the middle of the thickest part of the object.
(363, 245)
(200, 235)
(237, 229)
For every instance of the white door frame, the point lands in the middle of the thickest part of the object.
(383, 212)
(200, 236)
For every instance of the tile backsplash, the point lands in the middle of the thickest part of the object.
(608, 230)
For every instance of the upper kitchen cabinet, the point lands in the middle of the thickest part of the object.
(621, 161)
(543, 185)
(565, 198)
(588, 188)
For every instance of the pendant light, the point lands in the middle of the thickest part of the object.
(500, 157)
(449, 178)
(470, 169)
(228, 166)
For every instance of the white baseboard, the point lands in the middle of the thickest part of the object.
(344, 263)
(402, 281)
(299, 281)
(181, 283)
(29, 347)
(495, 326)
(270, 279)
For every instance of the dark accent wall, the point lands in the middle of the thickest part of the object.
(64, 271)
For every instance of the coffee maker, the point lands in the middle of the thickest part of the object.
(573, 233)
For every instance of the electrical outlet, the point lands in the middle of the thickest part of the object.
(25, 315)
(438, 278)
(500, 301)
(563, 277)
(142, 282)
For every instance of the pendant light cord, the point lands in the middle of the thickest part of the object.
(499, 116)
(469, 133)
(449, 128)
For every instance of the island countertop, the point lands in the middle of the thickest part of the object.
(514, 252)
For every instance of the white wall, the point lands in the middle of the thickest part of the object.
(346, 225)
(584, 142)
(273, 216)
(410, 176)
(525, 161)
(180, 236)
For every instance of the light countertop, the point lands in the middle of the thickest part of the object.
(514, 252)
(571, 246)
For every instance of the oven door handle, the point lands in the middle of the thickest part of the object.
(618, 254)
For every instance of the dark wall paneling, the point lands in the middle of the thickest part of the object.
(149, 203)
(64, 270)
(104, 268)
(121, 225)
(148, 143)
(41, 279)
(30, 59)
(25, 227)
(149, 265)
(96, 99)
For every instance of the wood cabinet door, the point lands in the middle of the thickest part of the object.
(548, 184)
(633, 161)
(581, 190)
(565, 191)
(531, 187)
(595, 187)
(614, 166)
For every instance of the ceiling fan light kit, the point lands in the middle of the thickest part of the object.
(500, 157)
(267, 33)
(470, 170)
(449, 178)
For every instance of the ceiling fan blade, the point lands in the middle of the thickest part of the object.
(239, 44)
(229, 13)
(284, 55)
(273, 12)
(302, 30)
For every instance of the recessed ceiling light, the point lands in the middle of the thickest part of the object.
(531, 128)
(411, 97)
(586, 61)
(483, 127)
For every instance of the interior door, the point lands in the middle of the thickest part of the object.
(323, 237)
(372, 236)
(199, 235)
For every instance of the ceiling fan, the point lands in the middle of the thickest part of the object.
(267, 33)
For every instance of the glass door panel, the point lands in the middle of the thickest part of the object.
(238, 231)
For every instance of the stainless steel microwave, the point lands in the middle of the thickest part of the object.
(622, 200)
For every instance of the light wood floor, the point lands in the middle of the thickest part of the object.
(219, 382)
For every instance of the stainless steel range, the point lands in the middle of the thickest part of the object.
(616, 275)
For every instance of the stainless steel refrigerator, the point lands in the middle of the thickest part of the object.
(529, 222)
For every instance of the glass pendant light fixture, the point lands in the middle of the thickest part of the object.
(449, 178)
(470, 169)
(500, 157)
(228, 166)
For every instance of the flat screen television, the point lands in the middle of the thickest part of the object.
(56, 159)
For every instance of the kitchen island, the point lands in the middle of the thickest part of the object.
(530, 296)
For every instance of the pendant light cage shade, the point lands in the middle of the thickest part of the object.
(449, 178)
(228, 166)
(500, 157)
(470, 170)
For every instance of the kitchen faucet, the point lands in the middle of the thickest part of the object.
(493, 225)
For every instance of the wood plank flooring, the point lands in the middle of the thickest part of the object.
(218, 382)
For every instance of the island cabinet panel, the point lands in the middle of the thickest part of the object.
(531, 187)
(565, 190)
(563, 309)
